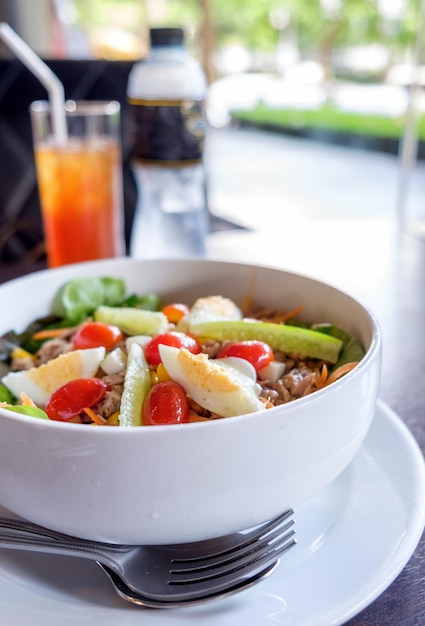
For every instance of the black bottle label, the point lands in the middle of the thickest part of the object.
(170, 131)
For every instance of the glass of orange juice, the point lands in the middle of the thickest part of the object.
(80, 182)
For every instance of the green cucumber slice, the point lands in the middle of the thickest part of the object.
(289, 339)
(132, 321)
(137, 383)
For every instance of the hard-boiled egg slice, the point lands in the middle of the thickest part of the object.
(40, 382)
(227, 387)
(272, 372)
(209, 309)
(141, 340)
(114, 362)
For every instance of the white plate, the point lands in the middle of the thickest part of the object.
(354, 539)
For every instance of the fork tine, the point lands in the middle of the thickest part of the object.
(227, 557)
(237, 544)
(180, 601)
(246, 567)
(246, 563)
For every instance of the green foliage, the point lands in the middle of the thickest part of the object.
(357, 22)
(245, 22)
(329, 117)
(249, 23)
(185, 13)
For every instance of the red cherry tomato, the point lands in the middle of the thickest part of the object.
(172, 338)
(258, 353)
(70, 399)
(96, 334)
(166, 403)
(175, 312)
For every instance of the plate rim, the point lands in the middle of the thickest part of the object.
(351, 605)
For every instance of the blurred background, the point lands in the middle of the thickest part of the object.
(307, 104)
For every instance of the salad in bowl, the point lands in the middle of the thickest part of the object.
(150, 401)
(143, 362)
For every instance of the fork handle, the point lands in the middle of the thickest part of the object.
(9, 524)
(24, 535)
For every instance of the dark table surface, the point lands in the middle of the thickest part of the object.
(384, 269)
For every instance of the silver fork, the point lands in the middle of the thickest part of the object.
(168, 575)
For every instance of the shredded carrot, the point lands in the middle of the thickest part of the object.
(97, 419)
(263, 314)
(26, 400)
(290, 314)
(340, 371)
(324, 373)
(51, 333)
(276, 316)
(247, 301)
(246, 305)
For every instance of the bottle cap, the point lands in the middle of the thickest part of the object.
(166, 36)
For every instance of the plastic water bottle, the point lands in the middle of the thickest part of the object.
(166, 97)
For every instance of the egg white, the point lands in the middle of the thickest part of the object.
(210, 309)
(227, 387)
(40, 382)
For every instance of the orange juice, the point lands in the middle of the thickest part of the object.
(80, 196)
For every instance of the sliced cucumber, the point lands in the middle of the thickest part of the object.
(132, 321)
(137, 383)
(289, 339)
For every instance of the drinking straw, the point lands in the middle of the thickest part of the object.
(45, 75)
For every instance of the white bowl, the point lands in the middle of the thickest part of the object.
(170, 484)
